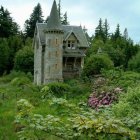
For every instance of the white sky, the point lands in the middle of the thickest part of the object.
(84, 12)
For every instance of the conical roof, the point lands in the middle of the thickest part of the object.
(54, 20)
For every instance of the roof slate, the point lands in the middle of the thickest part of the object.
(54, 20)
(67, 29)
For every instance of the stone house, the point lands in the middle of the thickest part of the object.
(59, 50)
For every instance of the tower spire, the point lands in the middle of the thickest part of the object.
(54, 20)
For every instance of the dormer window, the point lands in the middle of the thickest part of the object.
(71, 44)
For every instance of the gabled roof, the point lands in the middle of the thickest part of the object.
(69, 34)
(54, 20)
(77, 30)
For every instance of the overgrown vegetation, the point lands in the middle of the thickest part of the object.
(37, 112)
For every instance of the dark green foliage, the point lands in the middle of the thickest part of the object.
(95, 45)
(4, 55)
(116, 55)
(134, 63)
(99, 31)
(117, 33)
(8, 78)
(120, 48)
(106, 30)
(35, 17)
(102, 30)
(7, 26)
(95, 63)
(59, 89)
(15, 43)
(118, 78)
(24, 59)
(128, 103)
(65, 19)
(20, 81)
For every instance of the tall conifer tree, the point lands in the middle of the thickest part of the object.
(106, 29)
(30, 24)
(7, 25)
(99, 31)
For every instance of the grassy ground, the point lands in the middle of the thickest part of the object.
(15, 87)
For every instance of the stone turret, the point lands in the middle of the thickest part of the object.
(53, 52)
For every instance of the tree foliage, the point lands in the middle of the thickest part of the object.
(7, 25)
(134, 63)
(30, 23)
(4, 55)
(24, 59)
(95, 63)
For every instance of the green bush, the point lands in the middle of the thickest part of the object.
(119, 78)
(134, 63)
(96, 63)
(128, 103)
(24, 60)
(57, 89)
(13, 74)
(20, 81)
(128, 79)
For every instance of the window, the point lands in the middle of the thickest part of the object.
(71, 44)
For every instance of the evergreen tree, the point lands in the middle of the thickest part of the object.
(106, 29)
(65, 19)
(15, 43)
(117, 33)
(30, 23)
(99, 31)
(4, 55)
(24, 59)
(7, 26)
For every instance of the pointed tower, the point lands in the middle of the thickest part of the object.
(53, 54)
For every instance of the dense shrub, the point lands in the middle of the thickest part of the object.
(134, 63)
(95, 63)
(14, 74)
(119, 78)
(56, 89)
(20, 81)
(24, 60)
(4, 55)
(128, 103)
